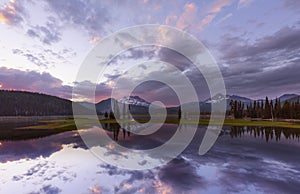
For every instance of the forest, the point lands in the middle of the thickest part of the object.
(267, 109)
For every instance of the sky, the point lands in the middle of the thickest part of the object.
(255, 43)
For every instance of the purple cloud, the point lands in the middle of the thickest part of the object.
(13, 79)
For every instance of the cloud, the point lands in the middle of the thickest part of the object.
(244, 3)
(214, 9)
(33, 81)
(189, 179)
(224, 18)
(82, 91)
(47, 57)
(188, 18)
(39, 61)
(287, 38)
(49, 189)
(268, 64)
(12, 13)
(90, 16)
(48, 34)
(292, 5)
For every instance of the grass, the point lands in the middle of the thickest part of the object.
(50, 127)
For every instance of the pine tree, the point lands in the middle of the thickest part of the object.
(286, 110)
(267, 109)
(179, 113)
(105, 115)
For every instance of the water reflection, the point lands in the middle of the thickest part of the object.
(115, 128)
(268, 133)
(243, 160)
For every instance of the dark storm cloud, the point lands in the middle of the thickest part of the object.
(269, 64)
(33, 81)
(188, 70)
(286, 39)
(88, 15)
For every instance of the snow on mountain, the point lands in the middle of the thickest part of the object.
(216, 99)
(134, 100)
(219, 97)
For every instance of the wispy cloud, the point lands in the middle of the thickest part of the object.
(188, 18)
(214, 9)
(244, 3)
(224, 18)
(47, 34)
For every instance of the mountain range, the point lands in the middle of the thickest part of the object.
(20, 103)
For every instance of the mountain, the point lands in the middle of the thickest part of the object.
(287, 97)
(206, 105)
(105, 105)
(19, 103)
(87, 105)
(134, 100)
(295, 99)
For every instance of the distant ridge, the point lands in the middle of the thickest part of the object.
(22, 103)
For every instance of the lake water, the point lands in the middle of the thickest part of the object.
(243, 160)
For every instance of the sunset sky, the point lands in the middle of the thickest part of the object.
(256, 43)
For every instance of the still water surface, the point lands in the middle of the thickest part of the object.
(243, 160)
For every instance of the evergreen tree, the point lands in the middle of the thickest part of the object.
(267, 109)
(106, 115)
(179, 113)
(286, 110)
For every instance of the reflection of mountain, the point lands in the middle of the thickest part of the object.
(19, 103)
(268, 133)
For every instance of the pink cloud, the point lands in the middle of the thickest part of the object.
(214, 9)
(188, 18)
(11, 13)
(14, 79)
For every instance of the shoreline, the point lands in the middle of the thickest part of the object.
(20, 119)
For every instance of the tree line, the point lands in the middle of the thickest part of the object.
(21, 103)
(267, 109)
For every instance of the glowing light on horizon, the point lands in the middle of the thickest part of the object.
(1, 87)
(95, 39)
(111, 84)
(3, 19)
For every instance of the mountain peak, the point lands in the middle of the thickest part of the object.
(285, 97)
(134, 100)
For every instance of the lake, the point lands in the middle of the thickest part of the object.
(243, 160)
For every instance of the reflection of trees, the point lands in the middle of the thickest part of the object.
(268, 133)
